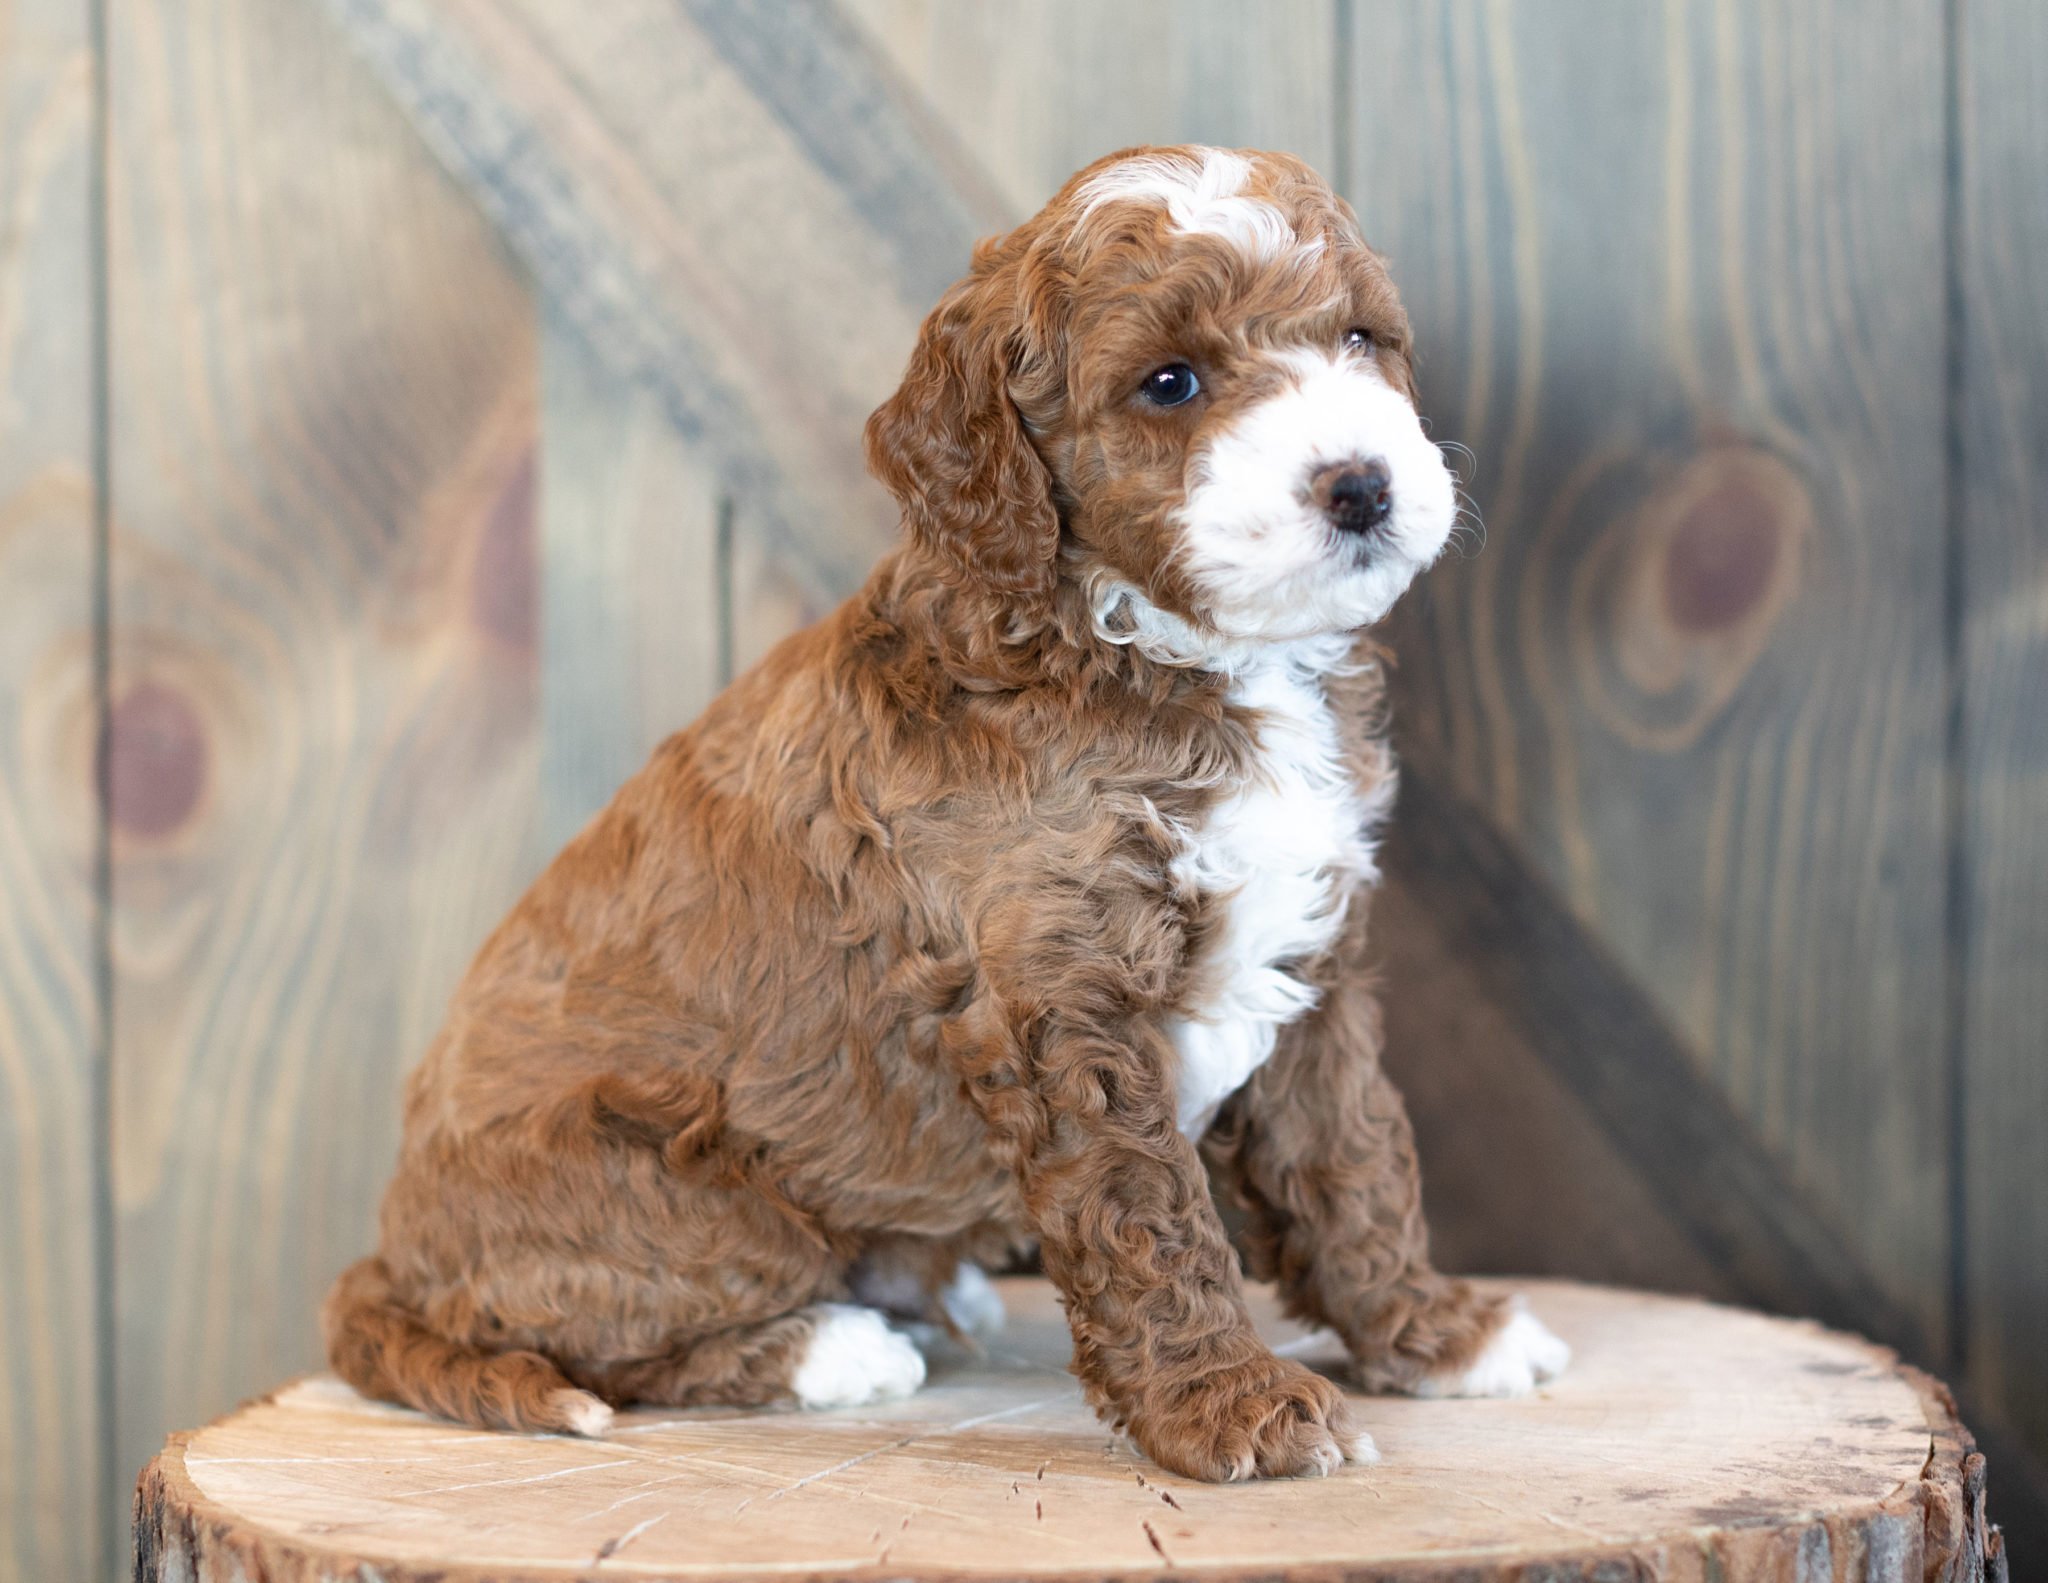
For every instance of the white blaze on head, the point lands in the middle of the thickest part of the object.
(1200, 191)
(1267, 560)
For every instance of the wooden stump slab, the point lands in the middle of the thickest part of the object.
(1686, 1442)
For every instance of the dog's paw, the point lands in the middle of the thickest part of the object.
(1523, 1353)
(972, 1303)
(580, 1413)
(854, 1358)
(1268, 1418)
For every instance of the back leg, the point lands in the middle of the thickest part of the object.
(824, 1355)
(932, 1285)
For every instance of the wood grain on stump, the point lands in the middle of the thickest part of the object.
(1686, 1442)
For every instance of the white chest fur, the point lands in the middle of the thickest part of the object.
(1285, 851)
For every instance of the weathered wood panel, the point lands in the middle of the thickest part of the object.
(731, 205)
(635, 571)
(726, 200)
(1680, 292)
(1035, 92)
(1485, 936)
(50, 1029)
(324, 667)
(2002, 479)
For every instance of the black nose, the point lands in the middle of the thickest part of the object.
(1358, 496)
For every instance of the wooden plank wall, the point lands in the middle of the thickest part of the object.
(1682, 297)
(400, 578)
(52, 1426)
(324, 698)
(2000, 462)
(627, 505)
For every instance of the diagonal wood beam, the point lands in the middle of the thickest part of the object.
(733, 203)
(1581, 1013)
(1501, 936)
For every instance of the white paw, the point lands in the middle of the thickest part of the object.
(972, 1302)
(1327, 1457)
(855, 1358)
(1515, 1362)
(586, 1414)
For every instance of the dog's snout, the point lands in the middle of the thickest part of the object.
(1357, 496)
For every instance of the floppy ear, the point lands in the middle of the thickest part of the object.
(950, 444)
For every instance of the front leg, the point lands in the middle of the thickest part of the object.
(1318, 1151)
(1163, 1345)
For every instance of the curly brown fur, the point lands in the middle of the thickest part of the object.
(1317, 1152)
(883, 960)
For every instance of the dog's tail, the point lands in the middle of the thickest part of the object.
(384, 1350)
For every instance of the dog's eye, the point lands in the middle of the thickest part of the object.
(1357, 339)
(1170, 386)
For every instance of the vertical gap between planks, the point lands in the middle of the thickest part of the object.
(723, 577)
(110, 1521)
(1344, 108)
(1955, 768)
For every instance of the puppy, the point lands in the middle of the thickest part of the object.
(995, 906)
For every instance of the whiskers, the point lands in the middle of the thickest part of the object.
(1468, 531)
